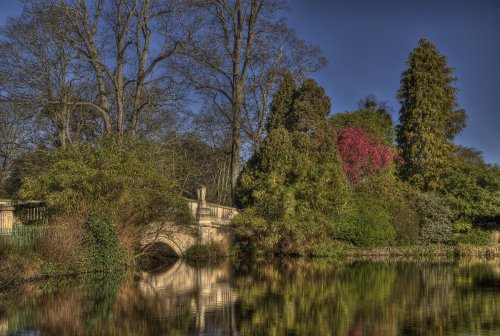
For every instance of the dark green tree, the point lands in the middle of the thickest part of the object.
(429, 117)
(294, 189)
(310, 109)
(281, 103)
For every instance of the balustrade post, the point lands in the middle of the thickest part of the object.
(203, 215)
(6, 219)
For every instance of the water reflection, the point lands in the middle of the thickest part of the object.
(275, 297)
(204, 291)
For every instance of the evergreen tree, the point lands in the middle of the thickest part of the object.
(281, 103)
(429, 118)
(294, 188)
(310, 109)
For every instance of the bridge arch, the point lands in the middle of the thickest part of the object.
(176, 242)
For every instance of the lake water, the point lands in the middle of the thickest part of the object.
(274, 297)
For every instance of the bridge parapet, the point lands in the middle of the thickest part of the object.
(14, 212)
(216, 214)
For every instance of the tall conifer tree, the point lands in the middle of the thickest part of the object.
(429, 118)
(281, 103)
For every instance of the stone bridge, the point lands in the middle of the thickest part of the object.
(212, 223)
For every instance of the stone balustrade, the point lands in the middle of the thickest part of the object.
(22, 212)
(209, 212)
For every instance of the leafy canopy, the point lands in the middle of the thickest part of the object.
(126, 179)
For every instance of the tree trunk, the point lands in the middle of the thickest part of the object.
(237, 101)
(236, 140)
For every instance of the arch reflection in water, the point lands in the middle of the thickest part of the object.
(204, 291)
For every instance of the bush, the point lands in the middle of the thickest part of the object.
(462, 226)
(363, 154)
(127, 179)
(293, 188)
(119, 183)
(473, 190)
(62, 245)
(404, 217)
(436, 225)
(290, 206)
(366, 222)
(475, 237)
(204, 251)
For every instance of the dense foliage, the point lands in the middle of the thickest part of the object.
(128, 180)
(100, 236)
(372, 116)
(101, 197)
(366, 222)
(293, 189)
(473, 188)
(436, 218)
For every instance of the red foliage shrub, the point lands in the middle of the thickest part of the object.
(362, 154)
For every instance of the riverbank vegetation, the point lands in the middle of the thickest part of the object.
(371, 189)
(112, 135)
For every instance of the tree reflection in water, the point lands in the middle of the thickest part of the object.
(276, 297)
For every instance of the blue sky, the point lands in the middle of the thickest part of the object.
(367, 43)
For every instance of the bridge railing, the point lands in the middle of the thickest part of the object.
(220, 213)
(18, 213)
(192, 205)
(32, 212)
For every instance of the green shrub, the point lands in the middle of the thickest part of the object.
(462, 227)
(293, 189)
(204, 251)
(473, 187)
(394, 196)
(366, 222)
(290, 206)
(436, 225)
(475, 237)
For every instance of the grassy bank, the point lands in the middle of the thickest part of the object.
(425, 251)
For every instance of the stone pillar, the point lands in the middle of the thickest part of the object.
(6, 219)
(203, 215)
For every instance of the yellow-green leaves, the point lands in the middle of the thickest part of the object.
(429, 118)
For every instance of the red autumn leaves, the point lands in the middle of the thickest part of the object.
(362, 154)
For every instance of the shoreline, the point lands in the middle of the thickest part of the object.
(390, 253)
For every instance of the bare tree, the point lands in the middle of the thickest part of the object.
(16, 136)
(40, 74)
(125, 42)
